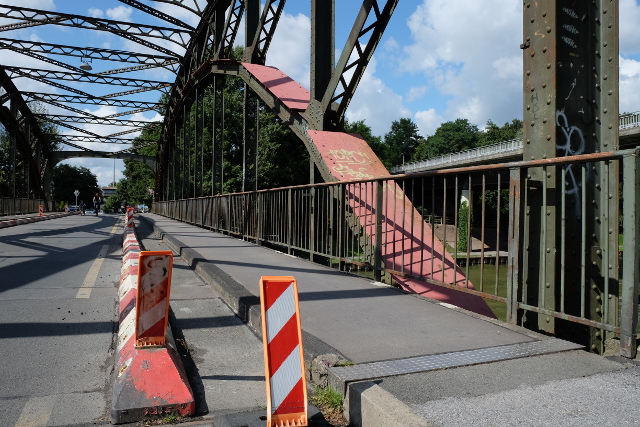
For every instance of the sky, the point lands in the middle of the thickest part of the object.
(438, 60)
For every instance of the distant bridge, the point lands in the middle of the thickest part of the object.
(509, 150)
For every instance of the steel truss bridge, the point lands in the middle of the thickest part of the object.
(568, 272)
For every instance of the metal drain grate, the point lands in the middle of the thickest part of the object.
(434, 362)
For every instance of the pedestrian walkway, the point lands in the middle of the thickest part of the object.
(400, 343)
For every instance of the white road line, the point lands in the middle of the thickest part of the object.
(90, 280)
(36, 412)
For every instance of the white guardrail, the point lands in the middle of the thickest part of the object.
(513, 146)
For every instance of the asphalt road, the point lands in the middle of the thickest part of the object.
(58, 291)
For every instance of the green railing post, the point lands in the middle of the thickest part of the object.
(513, 266)
(630, 275)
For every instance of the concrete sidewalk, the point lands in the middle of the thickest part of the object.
(404, 346)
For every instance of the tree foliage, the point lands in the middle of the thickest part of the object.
(494, 134)
(450, 137)
(66, 179)
(139, 178)
(401, 142)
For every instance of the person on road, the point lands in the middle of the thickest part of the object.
(123, 206)
(82, 206)
(97, 200)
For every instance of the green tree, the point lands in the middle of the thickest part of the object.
(66, 179)
(450, 137)
(401, 142)
(138, 176)
(493, 133)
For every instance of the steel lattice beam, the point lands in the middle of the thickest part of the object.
(230, 29)
(361, 51)
(257, 52)
(95, 100)
(83, 77)
(155, 12)
(128, 30)
(99, 139)
(25, 46)
(96, 120)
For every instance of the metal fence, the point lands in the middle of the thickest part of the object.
(629, 120)
(11, 206)
(460, 229)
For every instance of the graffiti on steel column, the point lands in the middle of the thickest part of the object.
(572, 145)
(352, 164)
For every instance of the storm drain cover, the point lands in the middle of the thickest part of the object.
(456, 359)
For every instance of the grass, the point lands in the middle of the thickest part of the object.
(327, 398)
(170, 418)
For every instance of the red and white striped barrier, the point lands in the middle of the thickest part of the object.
(40, 210)
(283, 352)
(148, 381)
(152, 301)
(129, 222)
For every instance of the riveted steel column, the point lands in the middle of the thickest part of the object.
(631, 250)
(570, 108)
(252, 20)
(322, 55)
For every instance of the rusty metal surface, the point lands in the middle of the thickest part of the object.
(350, 156)
(291, 93)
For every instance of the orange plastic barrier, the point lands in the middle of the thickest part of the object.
(283, 352)
(152, 301)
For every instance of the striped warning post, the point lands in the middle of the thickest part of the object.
(129, 222)
(152, 301)
(283, 352)
(41, 210)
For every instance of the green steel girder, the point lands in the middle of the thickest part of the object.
(256, 53)
(95, 100)
(339, 89)
(156, 13)
(94, 120)
(81, 77)
(570, 56)
(129, 30)
(26, 46)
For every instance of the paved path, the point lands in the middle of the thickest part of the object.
(382, 329)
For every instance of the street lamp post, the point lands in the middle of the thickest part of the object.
(76, 193)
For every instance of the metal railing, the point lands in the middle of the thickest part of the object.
(629, 120)
(11, 206)
(389, 228)
(502, 149)
(513, 146)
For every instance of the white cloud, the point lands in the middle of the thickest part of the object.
(416, 93)
(629, 85)
(290, 48)
(629, 19)
(120, 13)
(376, 103)
(95, 13)
(469, 52)
(428, 121)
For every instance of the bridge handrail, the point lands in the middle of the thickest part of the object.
(626, 121)
(512, 145)
(343, 232)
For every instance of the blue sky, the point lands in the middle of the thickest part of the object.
(438, 60)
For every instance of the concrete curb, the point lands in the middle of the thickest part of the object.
(148, 381)
(29, 219)
(368, 404)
